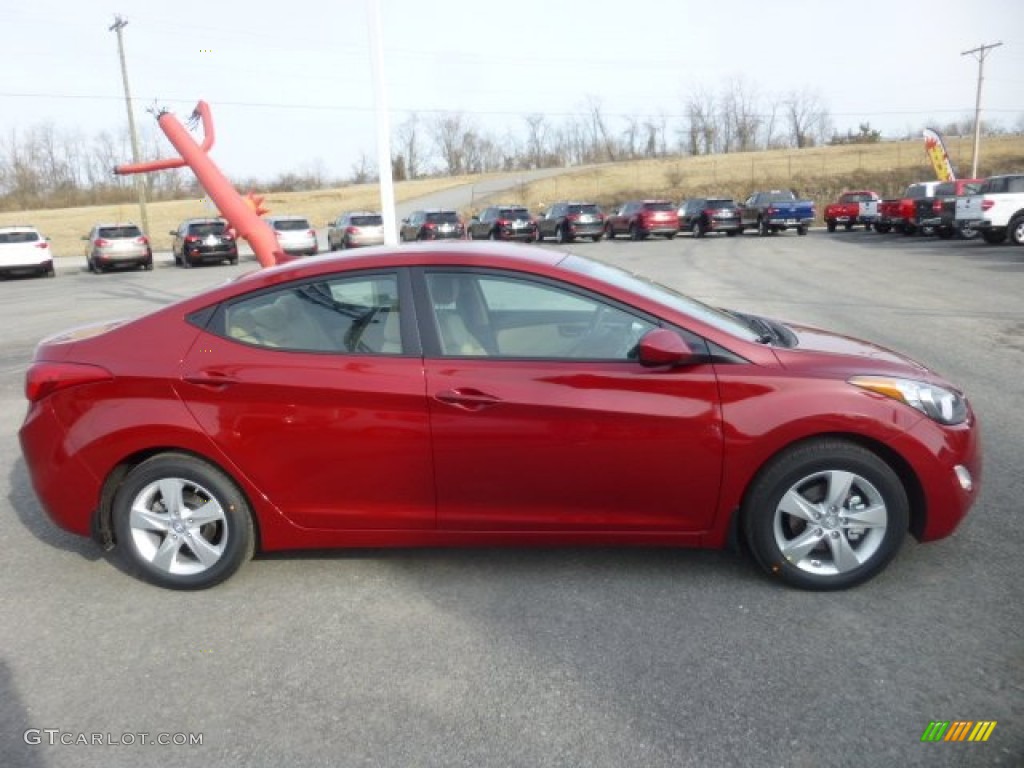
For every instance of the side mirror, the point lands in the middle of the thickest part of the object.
(662, 347)
(172, 233)
(475, 218)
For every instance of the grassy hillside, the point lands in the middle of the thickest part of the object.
(819, 173)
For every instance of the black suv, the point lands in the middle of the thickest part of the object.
(701, 215)
(503, 222)
(201, 241)
(567, 221)
(433, 224)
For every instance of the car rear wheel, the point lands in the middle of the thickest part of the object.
(697, 228)
(1016, 230)
(181, 523)
(634, 233)
(561, 235)
(993, 238)
(831, 225)
(826, 514)
(609, 232)
(802, 229)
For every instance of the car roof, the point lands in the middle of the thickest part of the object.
(18, 228)
(287, 217)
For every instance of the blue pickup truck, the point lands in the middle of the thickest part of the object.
(776, 211)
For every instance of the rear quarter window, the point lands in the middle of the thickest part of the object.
(114, 233)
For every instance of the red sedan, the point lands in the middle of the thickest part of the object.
(486, 394)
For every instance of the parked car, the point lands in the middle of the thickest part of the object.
(203, 241)
(355, 229)
(701, 215)
(997, 210)
(480, 395)
(937, 214)
(24, 251)
(432, 224)
(900, 213)
(776, 211)
(295, 235)
(852, 208)
(567, 221)
(503, 222)
(642, 218)
(113, 246)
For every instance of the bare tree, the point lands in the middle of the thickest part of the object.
(602, 145)
(741, 114)
(808, 118)
(409, 146)
(449, 131)
(537, 130)
(701, 128)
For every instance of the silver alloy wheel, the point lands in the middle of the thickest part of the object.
(178, 526)
(830, 522)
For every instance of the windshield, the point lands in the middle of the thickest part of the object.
(291, 225)
(781, 196)
(664, 295)
(18, 237)
(112, 233)
(367, 221)
(207, 228)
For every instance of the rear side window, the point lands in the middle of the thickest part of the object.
(114, 233)
(18, 237)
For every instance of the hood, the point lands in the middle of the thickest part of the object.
(814, 346)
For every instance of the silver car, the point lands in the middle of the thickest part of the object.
(111, 246)
(295, 235)
(354, 229)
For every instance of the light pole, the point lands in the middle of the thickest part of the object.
(140, 186)
(980, 53)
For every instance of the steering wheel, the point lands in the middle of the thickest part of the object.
(590, 332)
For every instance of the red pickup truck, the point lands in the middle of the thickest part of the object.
(900, 213)
(860, 207)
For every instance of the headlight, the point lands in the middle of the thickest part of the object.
(937, 403)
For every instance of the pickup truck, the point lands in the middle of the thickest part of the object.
(776, 211)
(997, 210)
(852, 208)
(937, 214)
(900, 213)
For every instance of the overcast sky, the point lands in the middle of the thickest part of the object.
(289, 82)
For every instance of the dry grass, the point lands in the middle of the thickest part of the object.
(67, 226)
(819, 173)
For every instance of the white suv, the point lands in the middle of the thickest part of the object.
(295, 235)
(997, 210)
(24, 250)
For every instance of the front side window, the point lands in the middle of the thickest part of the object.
(349, 315)
(509, 317)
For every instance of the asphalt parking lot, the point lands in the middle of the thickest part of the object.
(557, 657)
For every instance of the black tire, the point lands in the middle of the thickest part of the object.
(945, 233)
(233, 260)
(848, 226)
(812, 544)
(966, 233)
(762, 227)
(697, 228)
(609, 232)
(540, 237)
(1015, 232)
(597, 238)
(993, 238)
(732, 232)
(634, 234)
(670, 236)
(148, 544)
(831, 225)
(801, 230)
(561, 235)
(883, 229)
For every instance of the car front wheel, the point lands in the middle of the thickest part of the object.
(181, 523)
(825, 515)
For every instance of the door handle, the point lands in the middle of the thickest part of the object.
(209, 379)
(468, 399)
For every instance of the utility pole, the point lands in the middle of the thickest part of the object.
(979, 53)
(140, 185)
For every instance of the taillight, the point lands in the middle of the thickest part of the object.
(101, 243)
(312, 233)
(192, 239)
(351, 230)
(772, 210)
(42, 244)
(43, 379)
(937, 206)
(986, 204)
(573, 217)
(430, 225)
(142, 240)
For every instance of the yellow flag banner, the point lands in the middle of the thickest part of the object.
(936, 152)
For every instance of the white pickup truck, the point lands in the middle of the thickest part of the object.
(997, 210)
